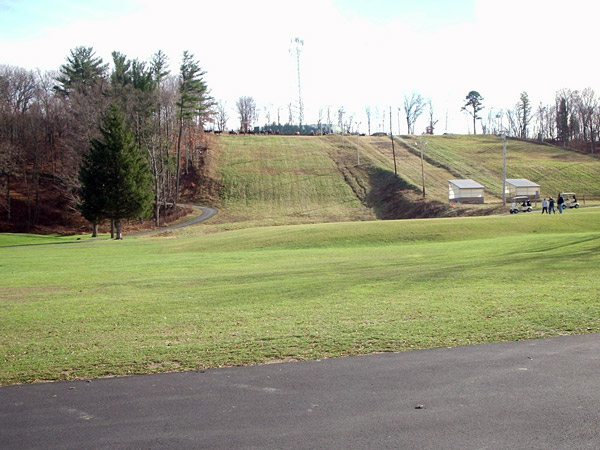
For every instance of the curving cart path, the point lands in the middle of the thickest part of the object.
(207, 213)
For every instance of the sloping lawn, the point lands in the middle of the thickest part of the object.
(91, 309)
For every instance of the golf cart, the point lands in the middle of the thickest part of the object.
(570, 200)
(520, 203)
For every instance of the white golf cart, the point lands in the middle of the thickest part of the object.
(520, 203)
(570, 200)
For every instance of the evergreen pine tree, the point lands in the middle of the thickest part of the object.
(193, 102)
(116, 181)
(562, 121)
(92, 200)
(474, 100)
(525, 111)
(83, 70)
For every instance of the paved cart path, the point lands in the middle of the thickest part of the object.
(536, 394)
(206, 214)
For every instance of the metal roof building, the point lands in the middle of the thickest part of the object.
(465, 191)
(520, 186)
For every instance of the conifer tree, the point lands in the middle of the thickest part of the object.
(525, 113)
(474, 100)
(92, 200)
(194, 102)
(81, 72)
(116, 181)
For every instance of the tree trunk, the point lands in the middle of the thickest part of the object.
(112, 228)
(177, 164)
(118, 228)
(8, 197)
(156, 204)
(36, 211)
(187, 158)
(28, 191)
(95, 229)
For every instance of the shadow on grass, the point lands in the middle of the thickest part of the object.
(392, 197)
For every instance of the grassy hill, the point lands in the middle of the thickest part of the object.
(75, 308)
(288, 179)
(278, 180)
(94, 308)
(480, 157)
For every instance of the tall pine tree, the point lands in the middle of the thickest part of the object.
(474, 100)
(92, 198)
(562, 121)
(82, 71)
(194, 102)
(116, 181)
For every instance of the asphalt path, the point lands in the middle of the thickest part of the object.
(206, 214)
(536, 394)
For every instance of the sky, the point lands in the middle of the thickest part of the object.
(355, 53)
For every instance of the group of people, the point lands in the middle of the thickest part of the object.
(548, 205)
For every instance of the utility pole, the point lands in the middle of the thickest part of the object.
(446, 130)
(393, 149)
(503, 169)
(420, 144)
(357, 145)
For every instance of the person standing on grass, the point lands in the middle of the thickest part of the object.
(560, 202)
(551, 206)
(545, 206)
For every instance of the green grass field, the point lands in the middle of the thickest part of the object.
(191, 301)
(480, 158)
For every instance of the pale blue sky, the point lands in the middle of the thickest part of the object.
(427, 13)
(356, 53)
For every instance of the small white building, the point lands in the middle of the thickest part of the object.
(520, 186)
(465, 191)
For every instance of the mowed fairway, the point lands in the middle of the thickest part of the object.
(89, 309)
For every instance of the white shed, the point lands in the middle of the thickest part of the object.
(521, 186)
(465, 191)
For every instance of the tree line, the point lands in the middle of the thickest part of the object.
(329, 120)
(50, 122)
(573, 119)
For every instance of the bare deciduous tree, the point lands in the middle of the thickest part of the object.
(221, 116)
(246, 107)
(432, 123)
(413, 108)
(586, 106)
(514, 121)
(341, 113)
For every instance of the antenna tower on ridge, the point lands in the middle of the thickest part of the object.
(296, 49)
